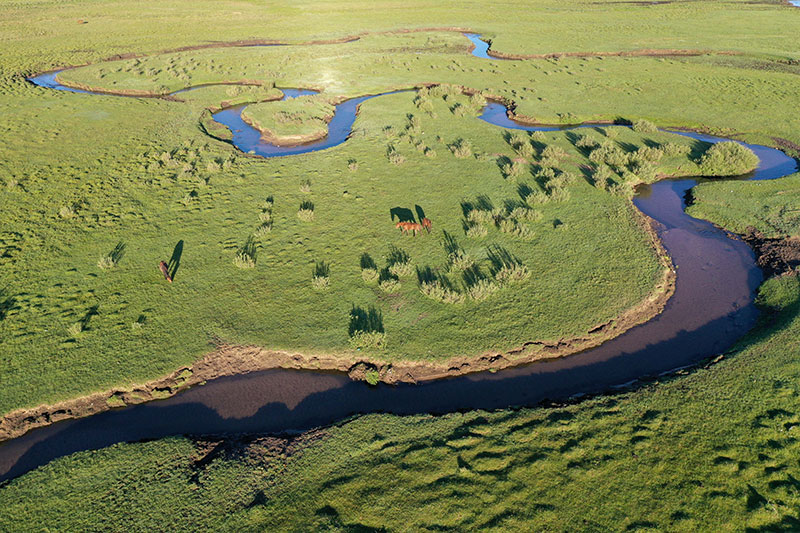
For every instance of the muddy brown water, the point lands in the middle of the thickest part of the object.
(712, 307)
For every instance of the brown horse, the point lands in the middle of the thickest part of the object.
(406, 227)
(162, 266)
(427, 224)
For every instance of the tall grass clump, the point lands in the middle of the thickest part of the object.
(306, 211)
(438, 287)
(66, 212)
(387, 281)
(112, 259)
(513, 169)
(644, 126)
(551, 155)
(369, 270)
(461, 148)
(479, 286)
(505, 267)
(75, 330)
(395, 157)
(366, 328)
(321, 275)
(513, 227)
(398, 262)
(475, 231)
(728, 158)
(457, 257)
(246, 255)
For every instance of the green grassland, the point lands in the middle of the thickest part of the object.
(134, 326)
(772, 207)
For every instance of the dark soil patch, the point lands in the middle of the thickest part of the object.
(774, 256)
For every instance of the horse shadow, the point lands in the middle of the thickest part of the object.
(403, 214)
(175, 261)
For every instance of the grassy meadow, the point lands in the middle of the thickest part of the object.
(772, 207)
(96, 190)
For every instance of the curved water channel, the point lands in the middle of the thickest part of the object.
(712, 307)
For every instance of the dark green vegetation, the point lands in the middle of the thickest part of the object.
(89, 178)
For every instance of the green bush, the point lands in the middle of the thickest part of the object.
(644, 126)
(364, 339)
(373, 377)
(246, 255)
(321, 276)
(366, 328)
(459, 260)
(387, 281)
(482, 289)
(440, 292)
(263, 229)
(306, 211)
(476, 231)
(398, 262)
(728, 158)
(461, 148)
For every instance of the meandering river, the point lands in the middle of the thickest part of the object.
(712, 307)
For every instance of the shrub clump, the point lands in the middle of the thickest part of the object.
(398, 262)
(263, 229)
(513, 169)
(584, 141)
(246, 255)
(551, 155)
(644, 126)
(512, 273)
(395, 157)
(460, 260)
(75, 329)
(482, 289)
(513, 227)
(369, 270)
(461, 148)
(505, 267)
(112, 259)
(321, 276)
(306, 211)
(728, 158)
(366, 328)
(387, 281)
(674, 149)
(441, 292)
(476, 231)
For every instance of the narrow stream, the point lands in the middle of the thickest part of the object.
(712, 307)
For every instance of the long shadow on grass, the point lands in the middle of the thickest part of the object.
(175, 261)
(403, 214)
